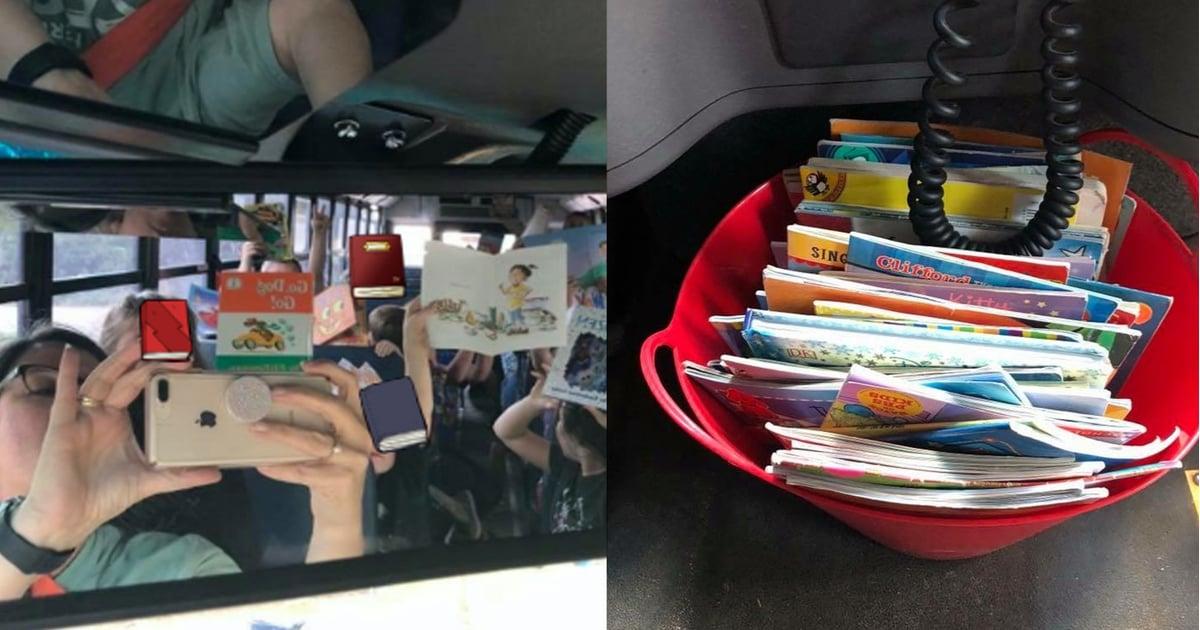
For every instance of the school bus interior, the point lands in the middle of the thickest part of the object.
(55, 267)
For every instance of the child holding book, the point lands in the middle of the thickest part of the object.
(575, 483)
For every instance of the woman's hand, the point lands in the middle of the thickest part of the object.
(90, 469)
(336, 476)
(385, 348)
(320, 222)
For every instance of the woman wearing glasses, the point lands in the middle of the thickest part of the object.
(71, 470)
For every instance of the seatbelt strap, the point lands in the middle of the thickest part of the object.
(120, 50)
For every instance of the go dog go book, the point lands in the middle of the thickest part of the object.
(265, 321)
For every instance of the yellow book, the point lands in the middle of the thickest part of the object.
(816, 248)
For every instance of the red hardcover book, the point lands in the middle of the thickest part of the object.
(376, 266)
(166, 330)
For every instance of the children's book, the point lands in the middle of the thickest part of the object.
(334, 313)
(815, 249)
(760, 296)
(794, 292)
(1114, 173)
(264, 222)
(976, 501)
(756, 402)
(580, 370)
(166, 330)
(587, 260)
(265, 321)
(892, 153)
(779, 371)
(376, 266)
(831, 342)
(1051, 303)
(1044, 268)
(729, 328)
(203, 301)
(820, 452)
(1079, 400)
(1036, 438)
(977, 193)
(1151, 311)
(495, 303)
(911, 261)
(1084, 248)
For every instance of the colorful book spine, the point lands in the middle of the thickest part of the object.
(1152, 311)
(883, 190)
(1077, 243)
(1050, 303)
(911, 261)
(814, 249)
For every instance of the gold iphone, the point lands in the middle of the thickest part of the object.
(199, 418)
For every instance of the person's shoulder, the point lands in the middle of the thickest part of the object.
(157, 556)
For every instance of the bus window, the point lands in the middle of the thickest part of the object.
(85, 310)
(77, 255)
(179, 287)
(178, 252)
(414, 238)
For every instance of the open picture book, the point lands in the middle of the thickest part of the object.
(495, 303)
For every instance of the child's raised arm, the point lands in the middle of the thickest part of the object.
(418, 354)
(512, 427)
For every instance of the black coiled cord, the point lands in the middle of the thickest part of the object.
(565, 128)
(1061, 130)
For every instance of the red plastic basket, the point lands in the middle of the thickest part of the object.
(726, 272)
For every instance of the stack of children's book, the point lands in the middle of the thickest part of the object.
(936, 380)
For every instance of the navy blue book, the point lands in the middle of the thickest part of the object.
(393, 414)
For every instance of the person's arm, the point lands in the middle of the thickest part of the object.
(418, 355)
(512, 427)
(462, 367)
(482, 368)
(336, 477)
(20, 32)
(89, 469)
(250, 249)
(317, 255)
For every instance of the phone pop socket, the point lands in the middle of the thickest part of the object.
(248, 399)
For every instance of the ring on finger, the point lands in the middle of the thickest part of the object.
(334, 448)
(88, 402)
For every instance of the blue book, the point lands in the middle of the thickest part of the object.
(912, 261)
(1153, 310)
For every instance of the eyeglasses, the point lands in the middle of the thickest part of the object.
(39, 380)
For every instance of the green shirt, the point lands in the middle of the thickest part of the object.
(593, 275)
(104, 562)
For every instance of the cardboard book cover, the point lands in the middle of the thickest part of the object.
(580, 370)
(265, 321)
(334, 313)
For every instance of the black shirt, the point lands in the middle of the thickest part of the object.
(572, 502)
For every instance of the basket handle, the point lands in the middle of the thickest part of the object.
(1182, 169)
(650, 349)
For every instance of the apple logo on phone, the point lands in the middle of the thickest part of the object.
(207, 419)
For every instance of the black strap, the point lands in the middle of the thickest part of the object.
(24, 555)
(43, 59)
